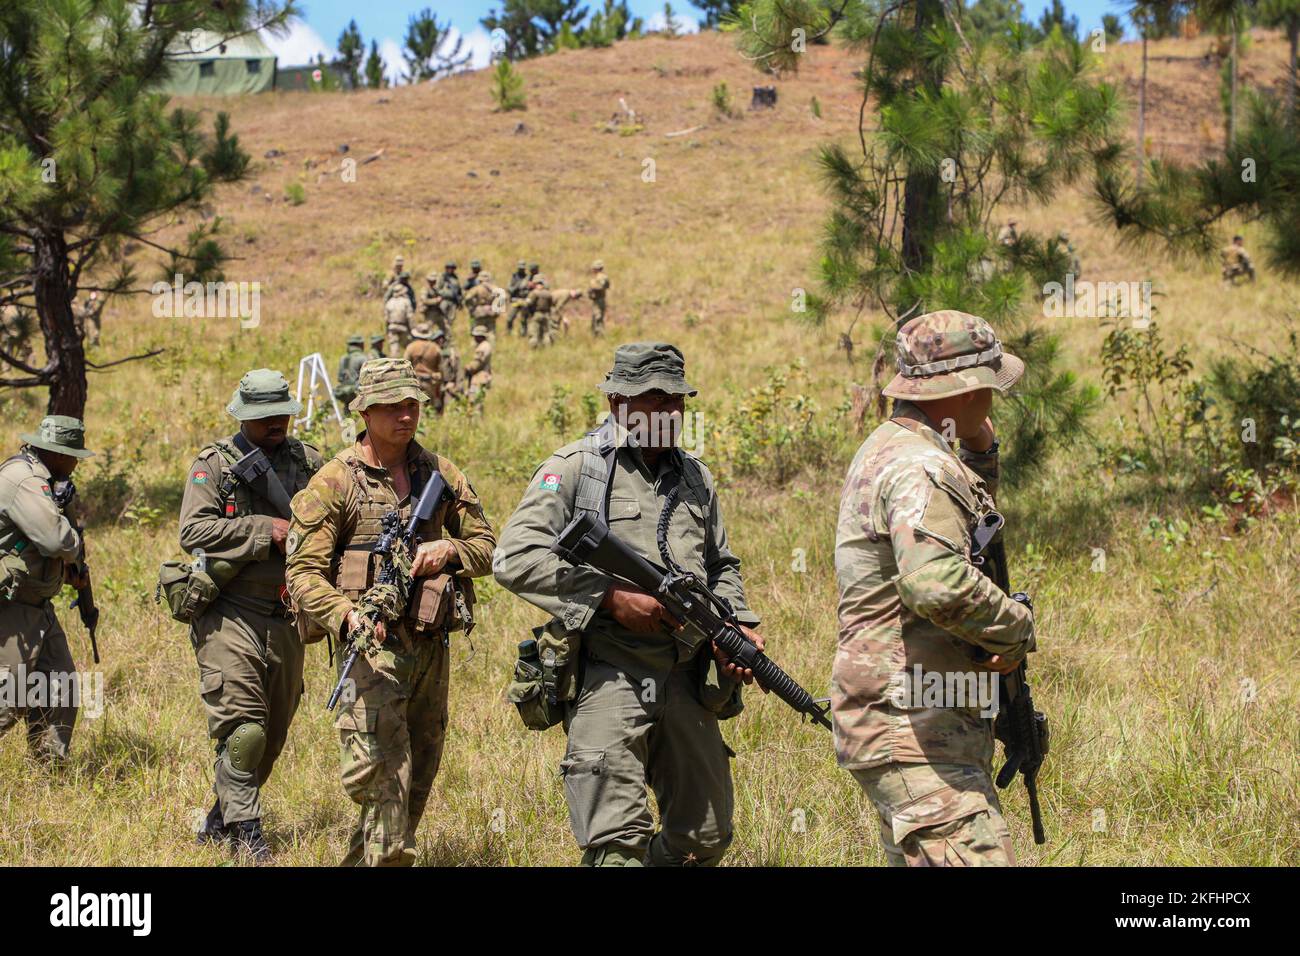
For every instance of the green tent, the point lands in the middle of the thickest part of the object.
(203, 64)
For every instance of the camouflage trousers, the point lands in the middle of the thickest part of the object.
(396, 341)
(597, 316)
(391, 737)
(622, 738)
(541, 330)
(250, 671)
(517, 314)
(31, 643)
(938, 814)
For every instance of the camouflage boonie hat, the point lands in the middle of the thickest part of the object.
(438, 333)
(61, 434)
(597, 266)
(431, 277)
(521, 264)
(262, 393)
(386, 381)
(422, 330)
(485, 277)
(646, 367)
(950, 353)
(356, 340)
(479, 332)
(398, 260)
(539, 279)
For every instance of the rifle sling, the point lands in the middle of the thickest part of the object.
(266, 486)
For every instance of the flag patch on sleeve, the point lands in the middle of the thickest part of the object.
(550, 482)
(200, 477)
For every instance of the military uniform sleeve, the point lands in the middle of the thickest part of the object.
(524, 564)
(35, 514)
(928, 528)
(204, 525)
(313, 531)
(723, 567)
(468, 530)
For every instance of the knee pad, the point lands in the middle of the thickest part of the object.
(611, 855)
(245, 747)
(664, 852)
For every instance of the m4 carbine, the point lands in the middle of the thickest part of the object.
(84, 602)
(587, 540)
(396, 549)
(1023, 730)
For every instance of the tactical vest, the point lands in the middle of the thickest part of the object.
(596, 474)
(26, 575)
(434, 603)
(543, 303)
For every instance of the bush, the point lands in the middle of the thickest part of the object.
(507, 87)
(295, 194)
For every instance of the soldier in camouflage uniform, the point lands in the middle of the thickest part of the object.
(398, 313)
(425, 355)
(449, 295)
(1236, 261)
(910, 599)
(400, 284)
(485, 302)
(518, 289)
(40, 550)
(538, 306)
(478, 371)
(248, 651)
(345, 389)
(391, 734)
(597, 289)
(431, 312)
(376, 349)
(475, 274)
(89, 318)
(651, 694)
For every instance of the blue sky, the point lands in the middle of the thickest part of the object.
(385, 21)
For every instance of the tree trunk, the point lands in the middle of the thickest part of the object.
(923, 206)
(1293, 36)
(1232, 88)
(63, 346)
(1142, 116)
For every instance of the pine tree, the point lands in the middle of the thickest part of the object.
(507, 87)
(427, 53)
(1286, 14)
(965, 123)
(530, 27)
(351, 50)
(375, 68)
(90, 158)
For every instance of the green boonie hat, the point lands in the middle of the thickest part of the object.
(950, 353)
(376, 339)
(475, 264)
(534, 266)
(479, 331)
(61, 434)
(356, 340)
(646, 367)
(262, 393)
(438, 334)
(386, 381)
(450, 265)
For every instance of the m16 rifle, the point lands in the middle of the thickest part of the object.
(387, 600)
(1022, 729)
(587, 540)
(63, 492)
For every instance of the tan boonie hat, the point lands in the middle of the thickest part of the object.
(647, 367)
(61, 434)
(386, 381)
(950, 353)
(262, 393)
(479, 332)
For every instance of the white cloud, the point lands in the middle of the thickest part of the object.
(479, 42)
(299, 46)
(390, 51)
(655, 22)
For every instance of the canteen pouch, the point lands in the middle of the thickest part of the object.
(542, 693)
(442, 603)
(717, 694)
(188, 591)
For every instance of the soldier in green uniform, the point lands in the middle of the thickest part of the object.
(345, 389)
(538, 305)
(517, 287)
(391, 731)
(376, 347)
(911, 601)
(248, 651)
(650, 691)
(475, 267)
(40, 550)
(597, 290)
(449, 295)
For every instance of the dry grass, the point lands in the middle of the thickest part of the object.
(1140, 667)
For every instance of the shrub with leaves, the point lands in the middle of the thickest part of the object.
(507, 87)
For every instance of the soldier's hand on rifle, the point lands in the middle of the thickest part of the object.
(354, 622)
(77, 575)
(431, 557)
(637, 611)
(279, 531)
(731, 670)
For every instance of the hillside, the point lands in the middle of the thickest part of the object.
(1139, 667)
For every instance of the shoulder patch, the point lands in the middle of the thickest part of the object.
(550, 481)
(200, 477)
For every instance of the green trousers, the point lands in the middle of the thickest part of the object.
(627, 737)
(250, 671)
(390, 738)
(32, 642)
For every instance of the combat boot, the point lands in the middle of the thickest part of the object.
(214, 827)
(246, 835)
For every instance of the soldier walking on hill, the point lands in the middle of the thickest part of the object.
(391, 735)
(248, 650)
(449, 296)
(485, 302)
(518, 289)
(597, 289)
(911, 601)
(398, 313)
(89, 318)
(475, 277)
(425, 355)
(40, 551)
(538, 306)
(478, 371)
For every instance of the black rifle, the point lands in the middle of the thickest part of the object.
(587, 540)
(392, 536)
(63, 493)
(1024, 732)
